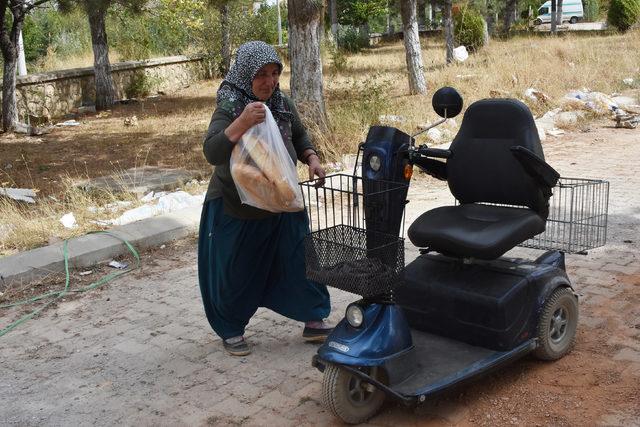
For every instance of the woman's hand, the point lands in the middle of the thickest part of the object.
(315, 169)
(252, 115)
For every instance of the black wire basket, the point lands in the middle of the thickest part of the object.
(355, 242)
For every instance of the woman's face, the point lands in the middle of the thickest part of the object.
(265, 81)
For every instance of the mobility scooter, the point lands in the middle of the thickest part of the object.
(460, 309)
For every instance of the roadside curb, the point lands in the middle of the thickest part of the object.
(91, 249)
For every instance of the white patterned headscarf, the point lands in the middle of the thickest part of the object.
(236, 86)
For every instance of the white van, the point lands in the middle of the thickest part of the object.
(572, 11)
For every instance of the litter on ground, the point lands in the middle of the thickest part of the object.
(20, 194)
(69, 220)
(119, 265)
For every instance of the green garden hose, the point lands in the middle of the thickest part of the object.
(56, 295)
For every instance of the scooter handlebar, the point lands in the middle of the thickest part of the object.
(434, 152)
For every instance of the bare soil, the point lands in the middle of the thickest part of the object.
(591, 385)
(169, 134)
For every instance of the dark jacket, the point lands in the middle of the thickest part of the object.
(217, 149)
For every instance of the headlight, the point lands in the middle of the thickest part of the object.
(375, 163)
(355, 315)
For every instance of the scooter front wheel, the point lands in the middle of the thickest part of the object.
(348, 397)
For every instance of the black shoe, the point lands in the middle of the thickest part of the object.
(316, 334)
(239, 348)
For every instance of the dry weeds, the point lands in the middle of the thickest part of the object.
(374, 84)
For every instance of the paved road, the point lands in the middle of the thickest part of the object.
(139, 352)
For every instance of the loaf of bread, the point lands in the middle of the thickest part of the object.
(256, 185)
(266, 181)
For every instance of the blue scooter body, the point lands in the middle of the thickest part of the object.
(383, 335)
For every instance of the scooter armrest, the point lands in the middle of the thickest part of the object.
(536, 167)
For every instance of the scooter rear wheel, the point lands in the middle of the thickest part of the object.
(557, 325)
(348, 397)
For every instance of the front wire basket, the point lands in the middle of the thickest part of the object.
(355, 242)
(577, 218)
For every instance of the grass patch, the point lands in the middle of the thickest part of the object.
(553, 65)
(30, 225)
(369, 84)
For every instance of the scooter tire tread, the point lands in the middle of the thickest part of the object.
(544, 350)
(335, 400)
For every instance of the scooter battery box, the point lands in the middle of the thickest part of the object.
(484, 303)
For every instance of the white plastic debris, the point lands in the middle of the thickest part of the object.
(460, 54)
(628, 81)
(391, 118)
(20, 194)
(165, 203)
(118, 264)
(624, 102)
(111, 207)
(147, 197)
(542, 134)
(434, 134)
(70, 123)
(595, 101)
(555, 132)
(69, 220)
(536, 95)
(85, 273)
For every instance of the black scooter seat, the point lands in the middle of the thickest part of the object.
(475, 230)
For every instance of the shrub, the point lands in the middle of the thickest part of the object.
(591, 10)
(623, 14)
(141, 85)
(47, 30)
(350, 39)
(469, 29)
(339, 61)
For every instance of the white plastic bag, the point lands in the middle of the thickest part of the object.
(263, 171)
(460, 54)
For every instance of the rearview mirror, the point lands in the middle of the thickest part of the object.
(447, 102)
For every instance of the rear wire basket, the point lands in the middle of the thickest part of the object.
(577, 218)
(355, 242)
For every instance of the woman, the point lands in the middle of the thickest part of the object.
(248, 257)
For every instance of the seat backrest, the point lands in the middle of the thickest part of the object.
(482, 167)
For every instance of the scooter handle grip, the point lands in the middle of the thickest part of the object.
(435, 152)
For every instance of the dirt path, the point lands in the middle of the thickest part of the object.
(139, 352)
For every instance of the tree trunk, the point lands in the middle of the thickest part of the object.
(305, 30)
(509, 12)
(422, 14)
(363, 33)
(9, 46)
(226, 45)
(559, 12)
(490, 18)
(417, 83)
(553, 16)
(447, 19)
(333, 10)
(105, 89)
(485, 32)
(434, 24)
